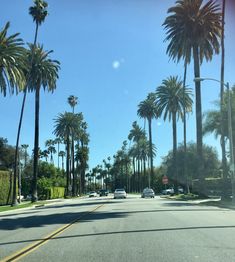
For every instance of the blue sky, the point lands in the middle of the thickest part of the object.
(112, 54)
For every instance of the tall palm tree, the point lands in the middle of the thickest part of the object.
(50, 147)
(62, 155)
(72, 100)
(224, 160)
(45, 153)
(39, 13)
(25, 147)
(65, 125)
(12, 67)
(135, 135)
(58, 141)
(44, 73)
(172, 99)
(148, 110)
(193, 30)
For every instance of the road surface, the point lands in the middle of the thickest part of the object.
(106, 229)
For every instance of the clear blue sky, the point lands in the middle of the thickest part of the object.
(112, 54)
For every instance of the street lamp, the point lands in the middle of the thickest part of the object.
(230, 131)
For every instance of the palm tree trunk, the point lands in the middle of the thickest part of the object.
(16, 164)
(58, 158)
(151, 151)
(16, 167)
(185, 175)
(222, 140)
(200, 169)
(67, 164)
(73, 168)
(36, 144)
(175, 151)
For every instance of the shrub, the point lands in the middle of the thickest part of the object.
(5, 187)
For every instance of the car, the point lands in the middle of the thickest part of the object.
(168, 191)
(119, 193)
(92, 194)
(148, 192)
(103, 192)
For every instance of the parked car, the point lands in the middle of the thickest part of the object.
(148, 192)
(103, 192)
(92, 194)
(119, 193)
(168, 191)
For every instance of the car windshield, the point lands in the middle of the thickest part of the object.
(117, 138)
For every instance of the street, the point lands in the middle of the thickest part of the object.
(107, 229)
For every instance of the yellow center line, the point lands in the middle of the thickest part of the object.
(35, 245)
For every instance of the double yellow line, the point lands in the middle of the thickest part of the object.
(30, 248)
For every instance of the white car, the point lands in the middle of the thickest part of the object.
(92, 194)
(169, 191)
(148, 192)
(119, 193)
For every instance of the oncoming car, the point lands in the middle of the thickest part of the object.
(119, 193)
(148, 192)
(93, 194)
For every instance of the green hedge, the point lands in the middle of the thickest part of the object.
(215, 186)
(5, 187)
(52, 193)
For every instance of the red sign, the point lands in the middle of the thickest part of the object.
(164, 180)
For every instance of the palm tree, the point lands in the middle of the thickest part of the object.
(25, 147)
(147, 109)
(65, 125)
(50, 147)
(58, 141)
(72, 100)
(62, 155)
(224, 160)
(39, 13)
(45, 153)
(44, 73)
(172, 99)
(194, 31)
(11, 62)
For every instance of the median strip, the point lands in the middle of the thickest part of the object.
(30, 248)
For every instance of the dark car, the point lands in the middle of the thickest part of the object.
(103, 192)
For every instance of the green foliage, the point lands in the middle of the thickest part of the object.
(48, 176)
(210, 162)
(6, 154)
(4, 187)
(214, 186)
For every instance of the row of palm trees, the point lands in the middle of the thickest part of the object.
(27, 69)
(71, 128)
(194, 31)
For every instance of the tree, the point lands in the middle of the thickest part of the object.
(62, 155)
(210, 161)
(58, 141)
(11, 62)
(39, 13)
(44, 73)
(148, 110)
(172, 99)
(65, 125)
(224, 160)
(50, 148)
(25, 147)
(194, 30)
(72, 100)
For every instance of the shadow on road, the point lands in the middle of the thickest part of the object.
(123, 232)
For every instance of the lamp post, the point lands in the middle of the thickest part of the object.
(230, 131)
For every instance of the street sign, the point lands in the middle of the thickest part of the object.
(164, 180)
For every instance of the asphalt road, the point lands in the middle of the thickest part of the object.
(106, 229)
